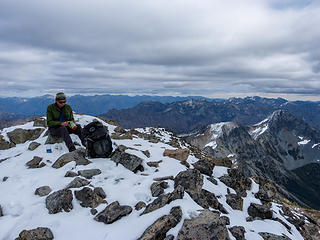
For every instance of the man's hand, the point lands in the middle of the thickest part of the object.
(64, 124)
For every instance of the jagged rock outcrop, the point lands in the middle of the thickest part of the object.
(234, 201)
(190, 180)
(40, 233)
(113, 212)
(162, 225)
(77, 156)
(20, 135)
(129, 161)
(60, 200)
(208, 225)
(204, 166)
(238, 181)
(43, 191)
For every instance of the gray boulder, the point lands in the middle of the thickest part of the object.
(162, 225)
(236, 180)
(33, 146)
(191, 180)
(60, 200)
(5, 144)
(77, 156)
(89, 197)
(235, 201)
(164, 199)
(238, 232)
(40, 233)
(271, 236)
(36, 162)
(129, 161)
(207, 199)
(78, 183)
(89, 173)
(260, 211)
(20, 135)
(267, 190)
(113, 212)
(206, 226)
(43, 191)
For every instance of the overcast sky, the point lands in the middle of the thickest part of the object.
(213, 48)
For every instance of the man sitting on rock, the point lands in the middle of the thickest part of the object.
(61, 122)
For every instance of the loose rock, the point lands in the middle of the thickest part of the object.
(271, 236)
(5, 144)
(78, 156)
(238, 232)
(71, 174)
(77, 183)
(40, 122)
(146, 153)
(162, 225)
(164, 178)
(129, 161)
(157, 188)
(43, 191)
(93, 211)
(260, 211)
(89, 198)
(60, 200)
(205, 167)
(33, 146)
(89, 173)
(35, 162)
(5, 178)
(39, 233)
(20, 135)
(154, 163)
(1, 213)
(113, 212)
(53, 139)
(139, 205)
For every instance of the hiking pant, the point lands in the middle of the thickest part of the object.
(64, 133)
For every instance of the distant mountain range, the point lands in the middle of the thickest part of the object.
(93, 105)
(195, 114)
(282, 148)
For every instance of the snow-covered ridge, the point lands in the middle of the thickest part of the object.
(22, 209)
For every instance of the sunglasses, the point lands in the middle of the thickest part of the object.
(61, 102)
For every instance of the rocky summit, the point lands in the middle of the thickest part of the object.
(154, 186)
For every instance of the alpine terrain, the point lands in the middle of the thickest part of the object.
(155, 185)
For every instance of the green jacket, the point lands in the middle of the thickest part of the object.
(53, 114)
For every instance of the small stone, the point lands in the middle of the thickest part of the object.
(1, 213)
(113, 212)
(213, 180)
(39, 233)
(169, 237)
(154, 163)
(5, 178)
(71, 174)
(100, 192)
(139, 205)
(77, 183)
(164, 178)
(93, 211)
(43, 191)
(178, 154)
(147, 153)
(89, 173)
(33, 146)
(156, 189)
(77, 156)
(238, 232)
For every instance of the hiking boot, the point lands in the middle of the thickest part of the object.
(72, 148)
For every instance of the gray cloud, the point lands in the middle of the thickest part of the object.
(208, 47)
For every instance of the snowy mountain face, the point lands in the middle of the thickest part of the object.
(154, 186)
(273, 148)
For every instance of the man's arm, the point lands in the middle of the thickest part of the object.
(50, 118)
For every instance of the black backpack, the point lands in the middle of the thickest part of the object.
(98, 141)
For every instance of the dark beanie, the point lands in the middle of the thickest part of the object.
(60, 96)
